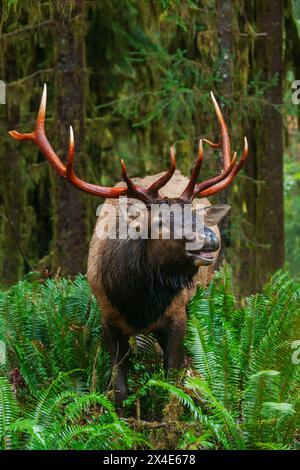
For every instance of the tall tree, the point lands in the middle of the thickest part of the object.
(69, 224)
(12, 206)
(225, 22)
(260, 250)
(161, 59)
(269, 233)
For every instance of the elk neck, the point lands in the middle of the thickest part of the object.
(140, 289)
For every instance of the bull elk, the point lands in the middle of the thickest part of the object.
(144, 285)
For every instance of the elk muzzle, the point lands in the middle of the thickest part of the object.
(209, 245)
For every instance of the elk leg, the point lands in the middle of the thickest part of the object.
(170, 339)
(118, 347)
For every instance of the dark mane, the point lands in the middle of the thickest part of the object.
(139, 289)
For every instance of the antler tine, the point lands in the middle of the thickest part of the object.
(38, 136)
(212, 144)
(216, 179)
(83, 185)
(225, 182)
(70, 159)
(230, 167)
(130, 184)
(133, 190)
(224, 133)
(39, 124)
(189, 190)
(40, 121)
(162, 181)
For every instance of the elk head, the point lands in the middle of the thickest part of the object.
(151, 195)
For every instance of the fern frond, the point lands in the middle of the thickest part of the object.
(9, 411)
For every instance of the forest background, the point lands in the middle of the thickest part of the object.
(133, 77)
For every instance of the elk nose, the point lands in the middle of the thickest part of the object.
(211, 241)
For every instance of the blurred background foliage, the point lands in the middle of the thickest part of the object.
(133, 77)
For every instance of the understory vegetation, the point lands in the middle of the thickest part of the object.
(133, 78)
(238, 389)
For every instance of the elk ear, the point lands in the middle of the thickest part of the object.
(214, 214)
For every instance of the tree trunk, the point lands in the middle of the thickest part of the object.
(244, 246)
(13, 198)
(225, 15)
(70, 241)
(269, 233)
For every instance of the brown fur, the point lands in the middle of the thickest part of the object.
(178, 307)
(170, 327)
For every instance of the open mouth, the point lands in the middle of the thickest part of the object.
(201, 257)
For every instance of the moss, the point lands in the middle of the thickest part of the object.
(145, 83)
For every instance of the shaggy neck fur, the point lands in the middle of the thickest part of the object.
(139, 289)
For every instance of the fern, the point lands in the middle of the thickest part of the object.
(240, 392)
(52, 328)
(248, 380)
(70, 420)
(8, 414)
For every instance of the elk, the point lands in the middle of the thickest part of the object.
(144, 285)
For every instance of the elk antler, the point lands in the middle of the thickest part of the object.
(38, 136)
(230, 167)
(147, 195)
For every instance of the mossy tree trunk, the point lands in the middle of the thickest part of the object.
(12, 207)
(260, 250)
(245, 246)
(269, 233)
(69, 246)
(14, 210)
(214, 48)
(225, 21)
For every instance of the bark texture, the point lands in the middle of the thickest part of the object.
(69, 237)
(269, 224)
